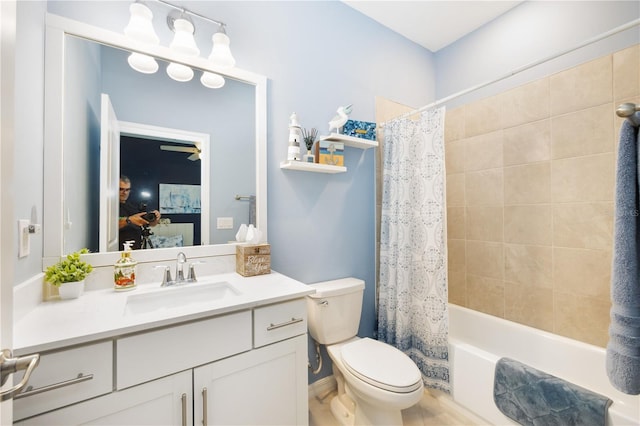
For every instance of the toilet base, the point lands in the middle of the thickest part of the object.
(343, 409)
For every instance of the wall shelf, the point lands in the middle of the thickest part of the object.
(350, 141)
(311, 167)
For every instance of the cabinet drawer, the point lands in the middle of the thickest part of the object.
(279, 322)
(65, 377)
(147, 356)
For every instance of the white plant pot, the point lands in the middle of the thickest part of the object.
(71, 290)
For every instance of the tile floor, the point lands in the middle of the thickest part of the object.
(428, 412)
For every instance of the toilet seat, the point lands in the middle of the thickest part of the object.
(381, 365)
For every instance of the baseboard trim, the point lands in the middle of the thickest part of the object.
(321, 387)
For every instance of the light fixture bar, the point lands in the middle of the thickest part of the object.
(166, 3)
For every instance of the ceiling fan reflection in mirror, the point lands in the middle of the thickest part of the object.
(193, 149)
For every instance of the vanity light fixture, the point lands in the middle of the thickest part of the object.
(221, 53)
(183, 43)
(140, 29)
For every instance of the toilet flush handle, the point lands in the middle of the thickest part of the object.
(324, 303)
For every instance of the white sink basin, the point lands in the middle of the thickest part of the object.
(179, 296)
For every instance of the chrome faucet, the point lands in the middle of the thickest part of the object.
(180, 261)
(180, 279)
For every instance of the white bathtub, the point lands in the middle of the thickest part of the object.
(477, 341)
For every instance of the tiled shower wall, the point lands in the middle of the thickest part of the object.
(530, 190)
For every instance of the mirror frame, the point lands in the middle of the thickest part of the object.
(57, 28)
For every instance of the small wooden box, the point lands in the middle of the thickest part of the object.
(253, 259)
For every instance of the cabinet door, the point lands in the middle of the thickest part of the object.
(165, 401)
(266, 386)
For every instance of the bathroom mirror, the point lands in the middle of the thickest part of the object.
(72, 164)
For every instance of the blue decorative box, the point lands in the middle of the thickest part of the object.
(360, 129)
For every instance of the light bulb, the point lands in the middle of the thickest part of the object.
(142, 63)
(183, 41)
(140, 27)
(212, 80)
(221, 53)
(179, 72)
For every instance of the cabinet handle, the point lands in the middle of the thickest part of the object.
(204, 406)
(31, 391)
(284, 324)
(184, 409)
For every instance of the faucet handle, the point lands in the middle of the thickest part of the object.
(191, 277)
(166, 277)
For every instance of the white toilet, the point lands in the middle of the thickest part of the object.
(375, 380)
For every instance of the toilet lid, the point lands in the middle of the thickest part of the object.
(381, 365)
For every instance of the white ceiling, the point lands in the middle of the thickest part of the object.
(430, 23)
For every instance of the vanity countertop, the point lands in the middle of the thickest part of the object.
(102, 314)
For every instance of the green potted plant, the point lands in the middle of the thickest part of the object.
(69, 274)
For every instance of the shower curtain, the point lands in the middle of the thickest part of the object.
(412, 311)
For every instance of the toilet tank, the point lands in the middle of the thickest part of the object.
(334, 310)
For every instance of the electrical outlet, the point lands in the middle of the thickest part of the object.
(225, 223)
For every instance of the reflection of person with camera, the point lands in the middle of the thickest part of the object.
(134, 221)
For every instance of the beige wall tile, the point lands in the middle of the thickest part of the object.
(530, 224)
(485, 259)
(455, 222)
(528, 265)
(455, 190)
(589, 178)
(457, 288)
(582, 132)
(485, 295)
(582, 318)
(456, 257)
(583, 272)
(528, 143)
(583, 225)
(484, 188)
(526, 103)
(454, 156)
(553, 193)
(529, 305)
(483, 116)
(484, 223)
(581, 87)
(454, 124)
(483, 151)
(626, 73)
(527, 184)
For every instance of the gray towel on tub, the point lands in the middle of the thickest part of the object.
(532, 397)
(623, 348)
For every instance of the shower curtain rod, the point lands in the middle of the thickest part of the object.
(630, 112)
(587, 42)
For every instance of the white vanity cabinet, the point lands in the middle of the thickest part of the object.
(165, 401)
(247, 367)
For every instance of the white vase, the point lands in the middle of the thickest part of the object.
(71, 290)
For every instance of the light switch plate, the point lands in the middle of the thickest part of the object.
(225, 223)
(23, 235)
